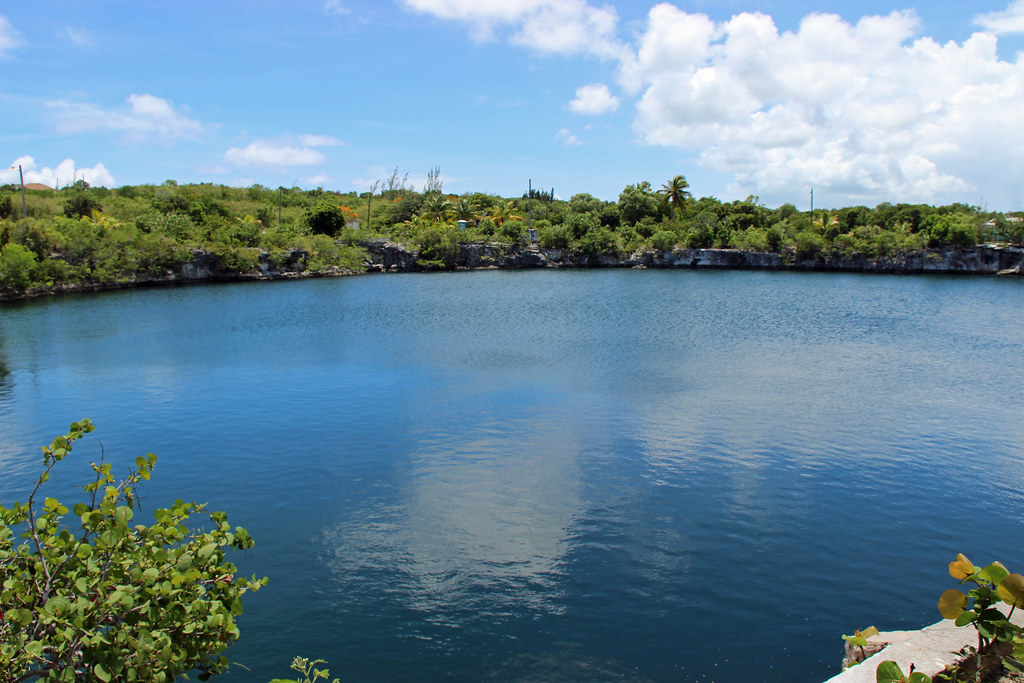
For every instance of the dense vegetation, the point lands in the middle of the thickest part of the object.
(95, 235)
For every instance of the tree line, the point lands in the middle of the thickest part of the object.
(85, 234)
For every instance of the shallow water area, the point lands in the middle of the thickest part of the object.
(553, 475)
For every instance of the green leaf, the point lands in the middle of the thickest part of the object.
(965, 618)
(34, 648)
(918, 677)
(889, 672)
(1013, 664)
(101, 673)
(994, 573)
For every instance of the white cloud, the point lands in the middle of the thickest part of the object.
(566, 27)
(9, 38)
(335, 7)
(1010, 20)
(594, 99)
(276, 153)
(860, 109)
(79, 37)
(319, 141)
(318, 180)
(568, 138)
(146, 117)
(63, 174)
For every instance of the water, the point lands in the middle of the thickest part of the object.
(561, 476)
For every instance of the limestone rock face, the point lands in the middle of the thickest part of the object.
(390, 256)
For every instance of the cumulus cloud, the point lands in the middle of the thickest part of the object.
(594, 99)
(145, 117)
(566, 27)
(861, 109)
(9, 38)
(1010, 20)
(282, 152)
(64, 173)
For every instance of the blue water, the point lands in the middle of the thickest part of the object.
(554, 476)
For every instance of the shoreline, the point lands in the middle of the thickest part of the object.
(391, 257)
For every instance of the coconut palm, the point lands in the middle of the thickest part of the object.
(465, 209)
(436, 206)
(675, 194)
(504, 211)
(826, 221)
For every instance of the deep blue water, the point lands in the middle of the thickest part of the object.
(551, 475)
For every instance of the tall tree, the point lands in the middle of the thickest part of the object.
(675, 194)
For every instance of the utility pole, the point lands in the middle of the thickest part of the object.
(529, 203)
(812, 203)
(24, 207)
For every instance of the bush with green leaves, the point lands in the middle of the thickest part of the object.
(325, 219)
(664, 240)
(554, 236)
(16, 263)
(308, 672)
(599, 240)
(1000, 641)
(80, 205)
(7, 209)
(97, 596)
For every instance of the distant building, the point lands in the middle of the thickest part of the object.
(38, 186)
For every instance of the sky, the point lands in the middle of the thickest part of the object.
(863, 102)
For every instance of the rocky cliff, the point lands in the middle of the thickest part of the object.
(387, 256)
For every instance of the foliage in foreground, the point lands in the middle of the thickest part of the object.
(1000, 642)
(95, 597)
(308, 672)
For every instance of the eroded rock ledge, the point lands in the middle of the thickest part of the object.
(385, 256)
(388, 256)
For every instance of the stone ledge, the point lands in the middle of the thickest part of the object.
(930, 650)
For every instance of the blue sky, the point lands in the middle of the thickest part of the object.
(865, 101)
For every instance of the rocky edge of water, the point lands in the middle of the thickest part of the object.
(386, 256)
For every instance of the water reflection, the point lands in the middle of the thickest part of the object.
(478, 522)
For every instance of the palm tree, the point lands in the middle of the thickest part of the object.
(504, 211)
(826, 222)
(465, 209)
(675, 194)
(436, 206)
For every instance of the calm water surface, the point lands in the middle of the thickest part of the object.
(561, 476)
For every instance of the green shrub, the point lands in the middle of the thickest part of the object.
(664, 240)
(177, 226)
(808, 245)
(7, 209)
(98, 596)
(80, 205)
(599, 240)
(325, 219)
(438, 246)
(554, 236)
(16, 264)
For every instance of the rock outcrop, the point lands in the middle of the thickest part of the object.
(385, 256)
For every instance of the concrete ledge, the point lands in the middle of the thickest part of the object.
(930, 650)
